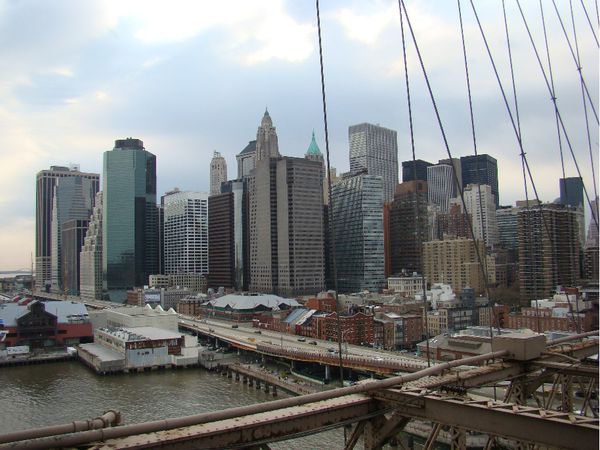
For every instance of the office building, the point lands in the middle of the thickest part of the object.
(218, 173)
(408, 227)
(452, 224)
(481, 169)
(374, 149)
(72, 240)
(46, 181)
(571, 191)
(221, 241)
(415, 170)
(186, 216)
(506, 219)
(285, 220)
(481, 208)
(246, 160)
(441, 186)
(239, 189)
(548, 249)
(357, 212)
(130, 218)
(90, 259)
(313, 153)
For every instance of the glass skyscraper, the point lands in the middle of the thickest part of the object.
(130, 219)
(480, 169)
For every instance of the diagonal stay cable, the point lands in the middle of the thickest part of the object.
(587, 16)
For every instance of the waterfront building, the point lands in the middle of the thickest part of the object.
(357, 212)
(549, 249)
(415, 170)
(244, 307)
(246, 160)
(455, 262)
(90, 259)
(481, 169)
(186, 216)
(441, 186)
(194, 282)
(285, 220)
(45, 324)
(130, 218)
(481, 208)
(408, 227)
(135, 316)
(46, 181)
(374, 149)
(218, 173)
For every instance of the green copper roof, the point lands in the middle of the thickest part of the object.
(313, 148)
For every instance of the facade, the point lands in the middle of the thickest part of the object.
(221, 241)
(357, 212)
(356, 329)
(239, 189)
(455, 262)
(481, 169)
(46, 181)
(506, 219)
(408, 227)
(90, 258)
(441, 186)
(407, 286)
(571, 192)
(481, 208)
(246, 160)
(454, 223)
(285, 220)
(44, 324)
(374, 149)
(417, 170)
(218, 173)
(549, 249)
(194, 282)
(73, 236)
(130, 218)
(398, 331)
(186, 216)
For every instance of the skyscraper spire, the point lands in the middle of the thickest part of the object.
(267, 145)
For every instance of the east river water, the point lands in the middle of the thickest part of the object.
(57, 393)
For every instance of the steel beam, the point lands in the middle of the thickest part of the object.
(500, 419)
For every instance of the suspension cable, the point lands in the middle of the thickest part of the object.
(446, 145)
(579, 68)
(417, 203)
(564, 130)
(330, 211)
(587, 123)
(474, 138)
(587, 16)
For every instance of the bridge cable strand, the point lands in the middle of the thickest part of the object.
(446, 145)
(474, 138)
(585, 112)
(587, 16)
(562, 125)
(414, 167)
(332, 239)
(597, 13)
(579, 68)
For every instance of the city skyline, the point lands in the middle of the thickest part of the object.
(121, 71)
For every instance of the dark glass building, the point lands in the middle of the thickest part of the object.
(571, 192)
(480, 169)
(130, 227)
(73, 235)
(416, 171)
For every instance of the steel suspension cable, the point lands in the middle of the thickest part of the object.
(474, 138)
(446, 145)
(585, 113)
(579, 68)
(587, 16)
(564, 130)
(330, 210)
(414, 168)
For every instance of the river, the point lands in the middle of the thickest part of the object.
(56, 393)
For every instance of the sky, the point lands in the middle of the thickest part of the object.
(190, 77)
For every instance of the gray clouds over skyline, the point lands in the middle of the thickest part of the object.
(189, 77)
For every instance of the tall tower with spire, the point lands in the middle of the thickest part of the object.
(218, 173)
(313, 153)
(267, 145)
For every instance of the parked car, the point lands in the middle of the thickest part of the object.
(234, 326)
(313, 342)
(301, 340)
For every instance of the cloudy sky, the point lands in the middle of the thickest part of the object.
(189, 77)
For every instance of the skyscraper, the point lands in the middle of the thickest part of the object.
(481, 208)
(185, 232)
(72, 239)
(374, 149)
(218, 173)
(221, 241)
(548, 249)
(481, 169)
(416, 171)
(408, 226)
(313, 153)
(571, 191)
(90, 267)
(130, 219)
(285, 220)
(441, 186)
(246, 160)
(357, 212)
(46, 181)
